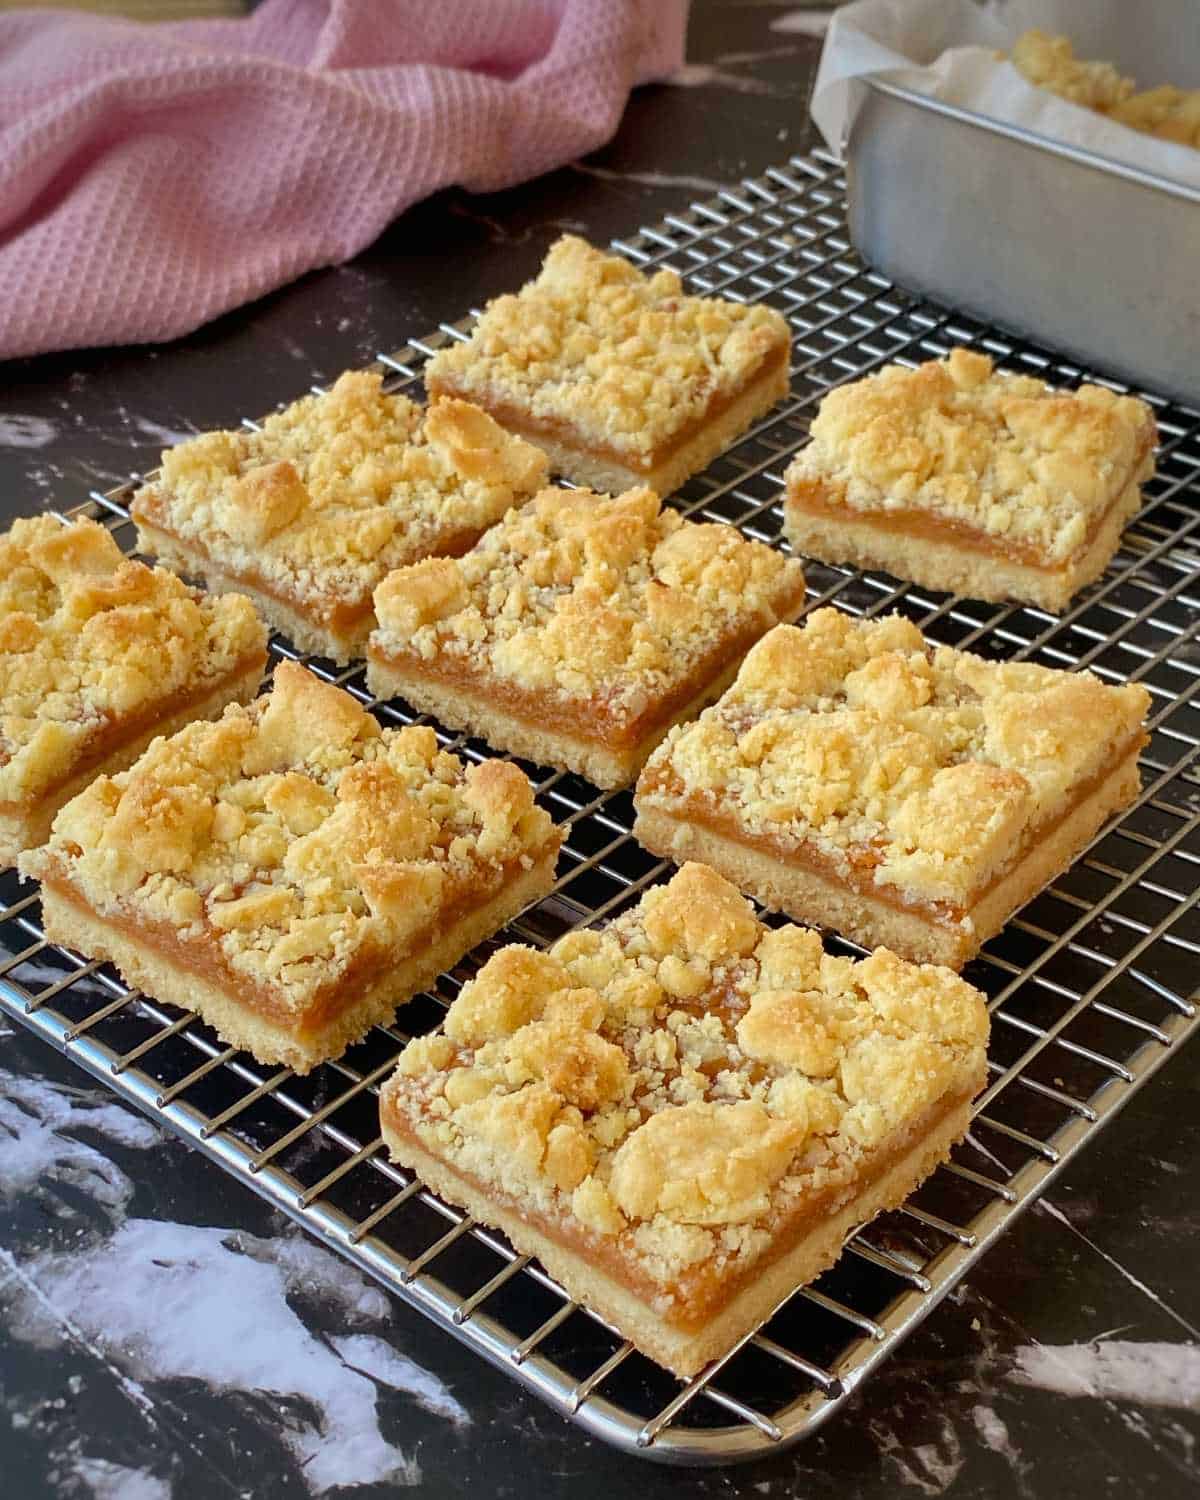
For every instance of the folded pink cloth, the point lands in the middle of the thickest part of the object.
(154, 176)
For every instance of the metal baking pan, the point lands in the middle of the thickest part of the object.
(1069, 248)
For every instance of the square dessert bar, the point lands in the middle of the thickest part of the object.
(685, 1114)
(307, 515)
(292, 872)
(860, 779)
(98, 654)
(620, 377)
(580, 628)
(963, 480)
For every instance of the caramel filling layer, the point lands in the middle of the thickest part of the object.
(521, 421)
(112, 732)
(862, 860)
(703, 1290)
(597, 721)
(203, 956)
(817, 497)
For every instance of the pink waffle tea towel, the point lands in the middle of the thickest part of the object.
(152, 177)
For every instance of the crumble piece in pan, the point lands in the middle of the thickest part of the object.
(860, 779)
(579, 629)
(622, 378)
(964, 480)
(293, 872)
(683, 1115)
(307, 515)
(1049, 62)
(98, 654)
(1170, 113)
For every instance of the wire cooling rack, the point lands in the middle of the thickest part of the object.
(1089, 986)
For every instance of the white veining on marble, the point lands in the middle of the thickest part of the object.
(929, 1467)
(1134, 1281)
(156, 1301)
(169, 1301)
(34, 1119)
(733, 59)
(41, 1322)
(372, 1356)
(108, 1481)
(709, 76)
(21, 430)
(973, 1140)
(1151, 1373)
(167, 436)
(806, 22)
(994, 1431)
(651, 179)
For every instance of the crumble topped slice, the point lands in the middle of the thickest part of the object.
(859, 778)
(309, 513)
(97, 655)
(293, 872)
(621, 377)
(580, 628)
(964, 479)
(683, 1113)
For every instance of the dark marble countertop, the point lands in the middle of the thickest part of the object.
(167, 1336)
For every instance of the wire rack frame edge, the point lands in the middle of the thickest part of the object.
(1124, 918)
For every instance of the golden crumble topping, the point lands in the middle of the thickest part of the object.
(683, 1079)
(627, 361)
(1050, 63)
(1167, 112)
(922, 769)
(90, 641)
(296, 835)
(337, 489)
(588, 597)
(1006, 455)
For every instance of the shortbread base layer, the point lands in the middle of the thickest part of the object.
(545, 744)
(684, 1352)
(950, 566)
(305, 633)
(68, 920)
(29, 827)
(606, 473)
(813, 898)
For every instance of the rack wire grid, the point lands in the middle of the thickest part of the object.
(1089, 986)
